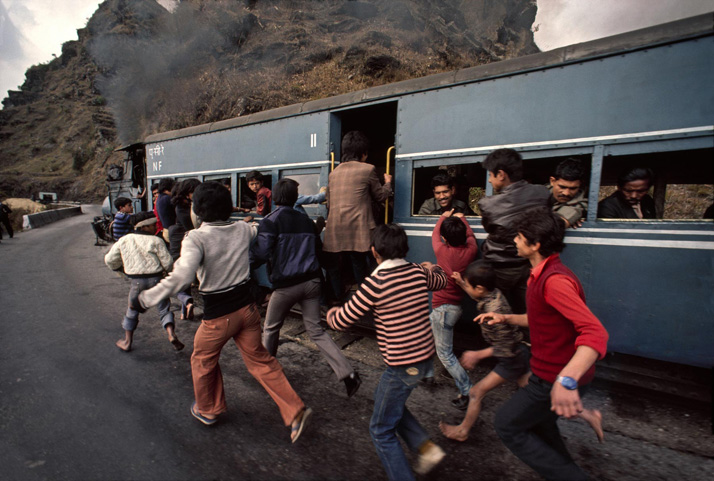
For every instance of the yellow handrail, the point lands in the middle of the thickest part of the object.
(386, 202)
(332, 161)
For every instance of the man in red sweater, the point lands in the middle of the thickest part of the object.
(566, 340)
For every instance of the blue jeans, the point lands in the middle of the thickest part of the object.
(391, 417)
(443, 319)
(528, 427)
(131, 318)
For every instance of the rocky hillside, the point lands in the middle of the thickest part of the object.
(138, 69)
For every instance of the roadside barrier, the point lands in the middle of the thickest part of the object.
(33, 221)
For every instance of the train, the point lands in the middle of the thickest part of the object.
(642, 98)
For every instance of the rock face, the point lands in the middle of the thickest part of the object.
(138, 69)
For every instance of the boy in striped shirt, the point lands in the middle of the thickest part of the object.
(397, 294)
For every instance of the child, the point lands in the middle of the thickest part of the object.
(262, 193)
(122, 219)
(396, 293)
(479, 283)
(144, 258)
(455, 247)
(218, 252)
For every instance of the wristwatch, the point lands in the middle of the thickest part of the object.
(567, 382)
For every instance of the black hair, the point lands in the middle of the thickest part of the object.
(120, 202)
(285, 192)
(442, 179)
(254, 175)
(390, 241)
(480, 273)
(166, 183)
(212, 202)
(354, 145)
(453, 230)
(154, 187)
(180, 192)
(507, 160)
(635, 173)
(570, 169)
(540, 224)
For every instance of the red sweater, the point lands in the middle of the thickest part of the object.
(559, 320)
(451, 259)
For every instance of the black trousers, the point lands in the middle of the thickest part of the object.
(8, 227)
(528, 427)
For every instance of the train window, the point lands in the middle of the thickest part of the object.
(682, 185)
(309, 186)
(247, 199)
(469, 187)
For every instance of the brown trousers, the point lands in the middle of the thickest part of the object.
(243, 326)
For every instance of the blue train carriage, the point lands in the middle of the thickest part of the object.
(643, 98)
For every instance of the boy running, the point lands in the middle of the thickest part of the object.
(144, 258)
(397, 294)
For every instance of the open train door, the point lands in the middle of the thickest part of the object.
(379, 123)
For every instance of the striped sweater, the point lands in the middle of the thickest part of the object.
(396, 293)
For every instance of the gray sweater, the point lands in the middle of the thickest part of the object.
(217, 252)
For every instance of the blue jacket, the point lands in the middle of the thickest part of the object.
(288, 243)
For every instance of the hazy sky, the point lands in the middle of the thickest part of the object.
(31, 31)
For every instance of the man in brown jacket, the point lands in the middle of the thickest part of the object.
(351, 189)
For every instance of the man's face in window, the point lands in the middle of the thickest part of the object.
(443, 195)
(564, 190)
(634, 191)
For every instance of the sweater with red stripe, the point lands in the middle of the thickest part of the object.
(397, 294)
(559, 320)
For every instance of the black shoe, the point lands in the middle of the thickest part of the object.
(461, 403)
(352, 383)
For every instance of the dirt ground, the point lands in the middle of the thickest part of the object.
(645, 438)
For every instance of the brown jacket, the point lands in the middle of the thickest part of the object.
(351, 188)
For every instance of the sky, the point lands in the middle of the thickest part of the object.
(32, 31)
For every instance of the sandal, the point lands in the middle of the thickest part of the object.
(203, 419)
(302, 424)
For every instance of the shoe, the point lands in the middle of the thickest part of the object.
(201, 418)
(428, 461)
(302, 424)
(461, 403)
(352, 383)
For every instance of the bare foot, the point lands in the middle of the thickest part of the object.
(124, 345)
(178, 345)
(456, 433)
(594, 418)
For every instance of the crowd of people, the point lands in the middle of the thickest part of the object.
(190, 239)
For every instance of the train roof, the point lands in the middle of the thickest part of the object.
(680, 30)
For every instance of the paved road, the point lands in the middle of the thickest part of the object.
(74, 407)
